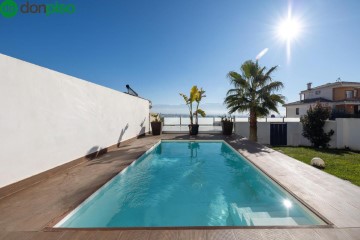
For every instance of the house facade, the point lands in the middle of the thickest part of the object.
(342, 97)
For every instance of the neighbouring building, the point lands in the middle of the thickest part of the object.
(343, 97)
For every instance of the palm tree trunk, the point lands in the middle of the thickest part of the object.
(253, 126)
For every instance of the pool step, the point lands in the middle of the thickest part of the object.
(256, 216)
(247, 217)
(284, 221)
(235, 215)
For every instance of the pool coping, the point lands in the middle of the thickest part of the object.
(51, 226)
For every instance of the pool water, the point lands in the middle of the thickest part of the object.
(186, 183)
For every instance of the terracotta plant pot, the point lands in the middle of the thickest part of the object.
(156, 128)
(227, 128)
(194, 129)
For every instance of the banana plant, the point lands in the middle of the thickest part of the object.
(195, 96)
(198, 97)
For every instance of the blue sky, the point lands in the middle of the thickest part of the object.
(163, 47)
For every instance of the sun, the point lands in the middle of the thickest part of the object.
(289, 29)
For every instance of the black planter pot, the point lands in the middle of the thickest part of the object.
(227, 128)
(156, 128)
(194, 129)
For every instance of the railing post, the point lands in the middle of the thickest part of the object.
(180, 120)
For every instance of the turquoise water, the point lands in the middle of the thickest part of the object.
(190, 184)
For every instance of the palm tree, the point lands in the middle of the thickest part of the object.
(254, 92)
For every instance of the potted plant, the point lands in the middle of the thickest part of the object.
(196, 95)
(156, 124)
(227, 125)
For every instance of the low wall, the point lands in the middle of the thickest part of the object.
(263, 132)
(347, 133)
(49, 118)
(349, 136)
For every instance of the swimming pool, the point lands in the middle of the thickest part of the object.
(190, 183)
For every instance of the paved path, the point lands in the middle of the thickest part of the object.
(25, 214)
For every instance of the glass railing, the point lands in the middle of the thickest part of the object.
(211, 124)
(180, 124)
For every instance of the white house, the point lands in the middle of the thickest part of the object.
(343, 97)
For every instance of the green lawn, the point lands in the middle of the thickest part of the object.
(344, 164)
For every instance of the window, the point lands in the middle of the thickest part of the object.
(317, 92)
(355, 93)
(297, 111)
(341, 109)
(349, 94)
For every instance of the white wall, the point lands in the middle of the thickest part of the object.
(295, 138)
(48, 118)
(291, 110)
(325, 92)
(263, 132)
(347, 133)
(242, 129)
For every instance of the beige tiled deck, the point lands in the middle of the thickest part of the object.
(25, 214)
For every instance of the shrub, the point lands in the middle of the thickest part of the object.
(313, 125)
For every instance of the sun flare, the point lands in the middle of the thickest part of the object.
(289, 29)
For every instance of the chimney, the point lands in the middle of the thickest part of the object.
(309, 86)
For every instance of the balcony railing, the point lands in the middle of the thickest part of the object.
(335, 115)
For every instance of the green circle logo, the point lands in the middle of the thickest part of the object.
(8, 8)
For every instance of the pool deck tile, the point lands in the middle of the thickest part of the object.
(164, 234)
(220, 234)
(46, 235)
(26, 216)
(278, 234)
(192, 235)
(135, 234)
(304, 234)
(78, 235)
(19, 235)
(341, 234)
(248, 234)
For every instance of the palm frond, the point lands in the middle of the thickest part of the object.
(253, 90)
(272, 86)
